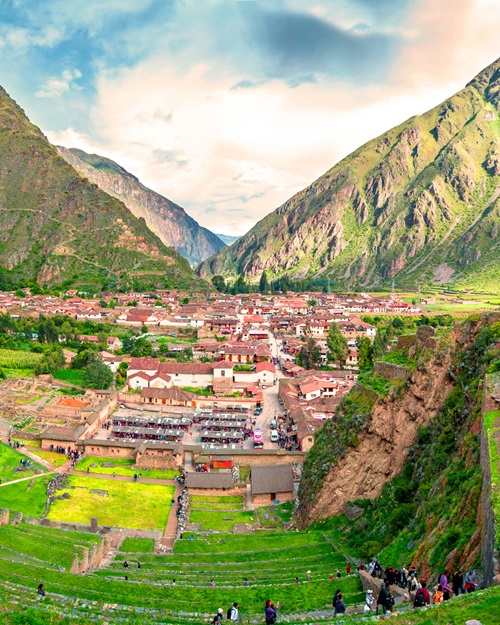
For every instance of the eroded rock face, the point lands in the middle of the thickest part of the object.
(383, 449)
(165, 218)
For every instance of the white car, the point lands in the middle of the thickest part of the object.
(274, 436)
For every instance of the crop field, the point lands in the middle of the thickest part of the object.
(14, 359)
(118, 504)
(11, 468)
(20, 497)
(122, 466)
(73, 376)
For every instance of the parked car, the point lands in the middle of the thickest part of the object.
(274, 436)
(258, 441)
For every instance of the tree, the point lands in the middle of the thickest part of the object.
(98, 375)
(337, 345)
(264, 283)
(309, 355)
(364, 353)
(219, 283)
(84, 358)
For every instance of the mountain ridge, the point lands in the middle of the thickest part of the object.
(167, 220)
(60, 228)
(418, 205)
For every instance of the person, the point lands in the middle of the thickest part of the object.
(361, 567)
(174, 583)
(232, 613)
(338, 573)
(125, 564)
(135, 477)
(245, 582)
(126, 578)
(308, 574)
(332, 576)
(271, 612)
(335, 597)
(138, 565)
(339, 606)
(470, 580)
(369, 601)
(217, 620)
(385, 598)
(348, 569)
(212, 583)
(412, 585)
(457, 583)
(41, 590)
(438, 596)
(296, 580)
(422, 596)
(443, 580)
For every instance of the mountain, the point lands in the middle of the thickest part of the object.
(419, 204)
(169, 221)
(227, 238)
(60, 228)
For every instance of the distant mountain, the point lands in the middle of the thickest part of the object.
(169, 221)
(417, 205)
(227, 238)
(57, 227)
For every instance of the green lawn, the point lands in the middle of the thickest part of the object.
(274, 516)
(18, 498)
(73, 376)
(122, 466)
(56, 459)
(203, 502)
(138, 545)
(221, 521)
(127, 504)
(10, 461)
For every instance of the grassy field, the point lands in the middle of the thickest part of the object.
(127, 504)
(17, 498)
(13, 359)
(205, 502)
(137, 545)
(73, 376)
(10, 461)
(221, 521)
(122, 466)
(274, 516)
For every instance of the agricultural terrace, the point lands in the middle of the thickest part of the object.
(10, 465)
(137, 545)
(115, 503)
(14, 359)
(121, 466)
(33, 446)
(492, 430)
(24, 497)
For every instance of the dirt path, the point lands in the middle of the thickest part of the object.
(23, 479)
(168, 539)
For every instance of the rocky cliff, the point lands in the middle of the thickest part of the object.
(410, 481)
(167, 220)
(418, 204)
(57, 227)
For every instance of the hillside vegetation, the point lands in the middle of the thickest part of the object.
(418, 204)
(57, 227)
(165, 218)
(428, 513)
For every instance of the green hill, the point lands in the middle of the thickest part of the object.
(57, 227)
(417, 205)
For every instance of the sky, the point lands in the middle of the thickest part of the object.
(230, 107)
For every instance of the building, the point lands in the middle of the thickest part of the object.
(271, 483)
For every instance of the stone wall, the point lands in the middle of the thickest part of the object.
(148, 461)
(374, 584)
(489, 555)
(222, 386)
(265, 499)
(237, 491)
(391, 372)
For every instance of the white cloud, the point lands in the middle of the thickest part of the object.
(55, 86)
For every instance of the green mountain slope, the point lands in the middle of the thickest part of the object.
(418, 205)
(60, 228)
(168, 220)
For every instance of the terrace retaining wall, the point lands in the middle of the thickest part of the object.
(374, 584)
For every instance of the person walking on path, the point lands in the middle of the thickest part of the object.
(470, 580)
(438, 596)
(41, 590)
(232, 613)
(339, 606)
(457, 583)
(308, 575)
(385, 598)
(422, 596)
(348, 569)
(217, 620)
(369, 601)
(443, 580)
(271, 612)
